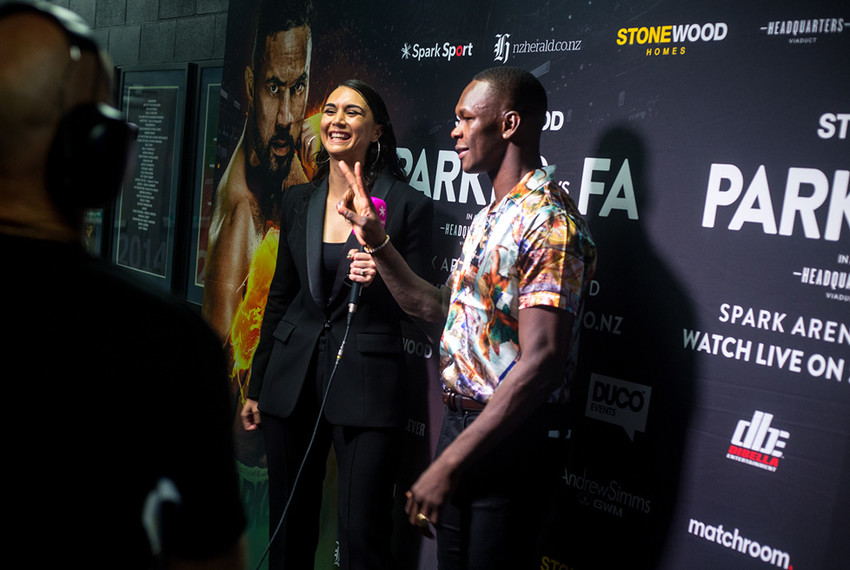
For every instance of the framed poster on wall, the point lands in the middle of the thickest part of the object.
(205, 139)
(154, 98)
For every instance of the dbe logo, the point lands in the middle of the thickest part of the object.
(618, 402)
(756, 443)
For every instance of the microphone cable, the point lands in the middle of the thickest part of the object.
(312, 438)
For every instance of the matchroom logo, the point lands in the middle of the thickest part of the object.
(735, 541)
(756, 443)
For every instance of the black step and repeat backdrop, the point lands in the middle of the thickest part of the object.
(708, 146)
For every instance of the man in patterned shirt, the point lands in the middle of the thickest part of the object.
(509, 317)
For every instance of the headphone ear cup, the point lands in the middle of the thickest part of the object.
(89, 157)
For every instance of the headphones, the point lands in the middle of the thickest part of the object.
(93, 145)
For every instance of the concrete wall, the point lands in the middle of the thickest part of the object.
(142, 32)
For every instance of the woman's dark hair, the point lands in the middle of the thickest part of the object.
(379, 157)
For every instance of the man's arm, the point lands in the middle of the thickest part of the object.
(543, 338)
(416, 297)
(427, 304)
(228, 253)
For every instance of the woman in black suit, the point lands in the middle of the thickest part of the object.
(304, 324)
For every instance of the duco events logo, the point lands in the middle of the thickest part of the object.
(618, 402)
(734, 541)
(804, 31)
(504, 47)
(756, 443)
(447, 51)
(671, 39)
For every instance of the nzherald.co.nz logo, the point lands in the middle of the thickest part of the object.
(505, 47)
(756, 443)
(446, 50)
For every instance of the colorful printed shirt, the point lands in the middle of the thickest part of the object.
(531, 248)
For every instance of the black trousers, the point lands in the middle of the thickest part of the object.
(365, 476)
(493, 520)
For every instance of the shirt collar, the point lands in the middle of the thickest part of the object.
(537, 178)
(530, 182)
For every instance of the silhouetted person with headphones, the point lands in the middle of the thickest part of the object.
(116, 429)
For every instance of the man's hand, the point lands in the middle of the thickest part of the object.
(356, 207)
(429, 493)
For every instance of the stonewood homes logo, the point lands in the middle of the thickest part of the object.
(504, 47)
(671, 39)
(756, 443)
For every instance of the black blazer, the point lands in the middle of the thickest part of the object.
(368, 386)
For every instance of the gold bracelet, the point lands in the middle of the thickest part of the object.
(371, 250)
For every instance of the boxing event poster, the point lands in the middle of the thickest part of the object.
(707, 146)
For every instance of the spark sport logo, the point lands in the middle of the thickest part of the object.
(804, 31)
(504, 47)
(671, 39)
(447, 51)
(756, 443)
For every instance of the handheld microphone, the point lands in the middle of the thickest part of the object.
(356, 287)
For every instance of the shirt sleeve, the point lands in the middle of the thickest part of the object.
(551, 267)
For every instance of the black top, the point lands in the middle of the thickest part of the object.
(331, 255)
